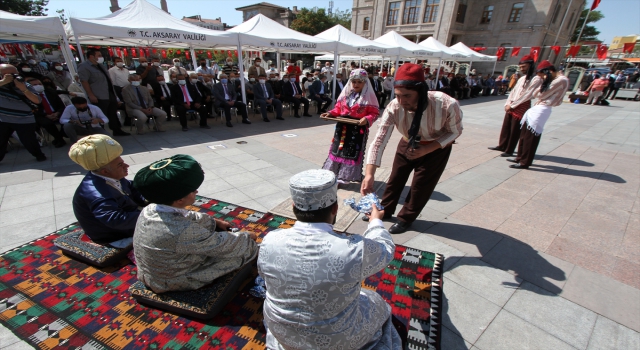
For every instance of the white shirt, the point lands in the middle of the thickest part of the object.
(119, 76)
(165, 90)
(71, 113)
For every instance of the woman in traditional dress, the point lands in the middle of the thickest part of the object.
(357, 101)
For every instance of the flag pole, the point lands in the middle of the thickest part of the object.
(583, 25)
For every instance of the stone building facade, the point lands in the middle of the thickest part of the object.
(282, 15)
(480, 23)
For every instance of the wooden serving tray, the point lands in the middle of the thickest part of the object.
(342, 120)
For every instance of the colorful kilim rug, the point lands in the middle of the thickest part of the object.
(52, 301)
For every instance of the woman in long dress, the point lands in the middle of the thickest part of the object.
(357, 101)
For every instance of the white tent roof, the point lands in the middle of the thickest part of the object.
(410, 49)
(476, 56)
(350, 43)
(40, 29)
(432, 44)
(263, 33)
(142, 24)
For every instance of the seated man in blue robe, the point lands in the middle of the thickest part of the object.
(106, 204)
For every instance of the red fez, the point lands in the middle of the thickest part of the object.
(526, 59)
(544, 65)
(409, 74)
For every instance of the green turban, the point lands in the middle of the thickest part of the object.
(169, 179)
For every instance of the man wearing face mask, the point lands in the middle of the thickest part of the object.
(229, 68)
(99, 88)
(59, 76)
(276, 85)
(205, 99)
(82, 118)
(264, 97)
(36, 67)
(177, 68)
(17, 101)
(293, 69)
(202, 69)
(162, 95)
(225, 97)
(119, 75)
(185, 97)
(147, 71)
(318, 93)
(256, 69)
(27, 72)
(291, 93)
(48, 111)
(139, 104)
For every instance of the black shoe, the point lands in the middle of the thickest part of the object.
(296, 116)
(59, 143)
(229, 124)
(266, 120)
(495, 148)
(246, 121)
(518, 166)
(185, 129)
(120, 133)
(280, 118)
(505, 154)
(205, 127)
(41, 158)
(307, 115)
(512, 160)
(399, 227)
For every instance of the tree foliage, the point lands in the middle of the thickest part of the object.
(590, 32)
(25, 7)
(316, 20)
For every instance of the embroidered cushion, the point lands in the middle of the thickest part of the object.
(77, 245)
(203, 303)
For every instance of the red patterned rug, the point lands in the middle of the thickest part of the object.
(52, 301)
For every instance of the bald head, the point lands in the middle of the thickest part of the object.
(8, 69)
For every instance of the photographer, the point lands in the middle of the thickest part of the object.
(17, 102)
(84, 119)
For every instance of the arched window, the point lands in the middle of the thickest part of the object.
(516, 12)
(365, 24)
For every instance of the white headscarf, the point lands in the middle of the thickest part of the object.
(367, 97)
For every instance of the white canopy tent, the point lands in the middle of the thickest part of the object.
(447, 52)
(36, 29)
(475, 56)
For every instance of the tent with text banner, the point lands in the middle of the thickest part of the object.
(475, 56)
(410, 48)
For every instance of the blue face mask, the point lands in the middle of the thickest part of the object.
(224, 81)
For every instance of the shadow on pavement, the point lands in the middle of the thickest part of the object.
(565, 160)
(440, 197)
(580, 173)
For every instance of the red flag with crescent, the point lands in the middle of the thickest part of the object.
(535, 51)
(134, 52)
(155, 51)
(146, 51)
(628, 47)
(186, 53)
(516, 51)
(573, 50)
(164, 53)
(500, 52)
(595, 4)
(602, 51)
(110, 51)
(555, 49)
(209, 54)
(141, 50)
(125, 52)
(178, 52)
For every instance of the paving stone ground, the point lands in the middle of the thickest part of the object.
(545, 258)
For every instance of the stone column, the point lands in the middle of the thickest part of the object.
(114, 6)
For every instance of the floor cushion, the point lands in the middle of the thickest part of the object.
(79, 246)
(203, 303)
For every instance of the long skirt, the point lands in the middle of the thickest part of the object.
(346, 153)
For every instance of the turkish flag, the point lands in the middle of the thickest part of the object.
(134, 52)
(500, 52)
(141, 50)
(200, 52)
(164, 53)
(178, 52)
(628, 47)
(118, 52)
(155, 51)
(555, 49)
(229, 53)
(216, 52)
(595, 4)
(235, 52)
(209, 54)
(516, 51)
(125, 52)
(146, 51)
(535, 51)
(602, 51)
(186, 53)
(478, 49)
(573, 50)
(110, 51)
(170, 52)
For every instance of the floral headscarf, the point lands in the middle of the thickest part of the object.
(367, 97)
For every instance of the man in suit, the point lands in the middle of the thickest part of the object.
(49, 111)
(291, 93)
(339, 84)
(225, 96)
(276, 85)
(162, 95)
(185, 97)
(377, 87)
(264, 96)
(139, 104)
(205, 99)
(256, 70)
(318, 93)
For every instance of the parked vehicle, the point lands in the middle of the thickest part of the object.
(630, 71)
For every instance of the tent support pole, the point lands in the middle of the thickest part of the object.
(241, 72)
(80, 53)
(194, 59)
(470, 63)
(393, 92)
(278, 63)
(494, 67)
(335, 73)
(438, 74)
(68, 56)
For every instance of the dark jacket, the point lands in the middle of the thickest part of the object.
(258, 92)
(218, 93)
(276, 86)
(202, 89)
(157, 93)
(55, 102)
(105, 214)
(315, 87)
(373, 85)
(287, 90)
(178, 97)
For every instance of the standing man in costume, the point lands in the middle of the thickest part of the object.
(518, 102)
(550, 94)
(429, 122)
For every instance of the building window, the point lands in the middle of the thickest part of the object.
(570, 20)
(507, 51)
(462, 11)
(431, 11)
(555, 13)
(411, 11)
(365, 25)
(487, 13)
(392, 16)
(516, 12)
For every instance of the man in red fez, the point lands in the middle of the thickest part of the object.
(429, 122)
(551, 93)
(518, 102)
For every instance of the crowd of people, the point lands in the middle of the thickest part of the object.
(600, 87)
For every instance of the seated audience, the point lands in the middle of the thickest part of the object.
(318, 93)
(177, 68)
(59, 76)
(162, 96)
(106, 204)
(204, 93)
(291, 93)
(224, 95)
(314, 275)
(276, 85)
(49, 111)
(177, 249)
(185, 98)
(139, 105)
(82, 118)
(264, 97)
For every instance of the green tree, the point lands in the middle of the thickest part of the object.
(25, 7)
(590, 32)
(316, 20)
(62, 15)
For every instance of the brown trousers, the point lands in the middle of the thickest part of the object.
(528, 145)
(427, 171)
(510, 134)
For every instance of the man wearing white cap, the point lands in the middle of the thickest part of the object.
(106, 204)
(314, 275)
